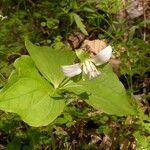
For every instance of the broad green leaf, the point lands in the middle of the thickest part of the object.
(78, 21)
(29, 95)
(105, 93)
(49, 60)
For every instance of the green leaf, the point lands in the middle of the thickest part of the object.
(105, 93)
(82, 55)
(14, 145)
(49, 60)
(79, 23)
(29, 95)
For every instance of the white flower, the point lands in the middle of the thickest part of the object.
(3, 17)
(88, 66)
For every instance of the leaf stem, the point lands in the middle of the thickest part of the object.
(66, 80)
(52, 138)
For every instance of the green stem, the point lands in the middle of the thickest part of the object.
(2, 79)
(53, 139)
(65, 81)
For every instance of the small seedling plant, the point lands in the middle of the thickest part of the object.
(39, 86)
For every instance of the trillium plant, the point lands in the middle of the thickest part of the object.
(37, 86)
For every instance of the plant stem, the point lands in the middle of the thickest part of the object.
(53, 139)
(64, 82)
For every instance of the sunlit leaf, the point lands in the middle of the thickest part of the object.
(50, 59)
(29, 95)
(105, 93)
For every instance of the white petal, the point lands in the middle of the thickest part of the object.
(88, 66)
(71, 70)
(93, 74)
(103, 56)
(85, 68)
(90, 69)
(92, 66)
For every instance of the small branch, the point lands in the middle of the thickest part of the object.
(144, 15)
